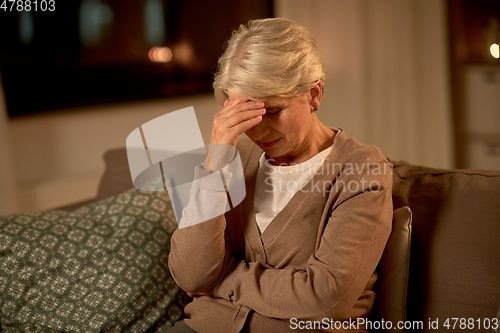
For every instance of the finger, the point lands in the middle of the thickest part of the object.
(247, 124)
(230, 120)
(241, 104)
(243, 116)
(240, 107)
(230, 103)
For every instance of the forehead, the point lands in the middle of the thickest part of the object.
(268, 101)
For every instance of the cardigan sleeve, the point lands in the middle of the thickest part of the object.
(336, 274)
(200, 248)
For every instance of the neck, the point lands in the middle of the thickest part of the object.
(321, 139)
(324, 137)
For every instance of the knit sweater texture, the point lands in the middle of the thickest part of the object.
(315, 262)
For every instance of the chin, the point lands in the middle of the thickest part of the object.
(275, 153)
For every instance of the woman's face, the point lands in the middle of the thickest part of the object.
(286, 132)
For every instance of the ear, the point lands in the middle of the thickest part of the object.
(316, 93)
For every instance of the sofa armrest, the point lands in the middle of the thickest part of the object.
(76, 205)
(116, 178)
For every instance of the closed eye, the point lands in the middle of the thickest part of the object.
(273, 112)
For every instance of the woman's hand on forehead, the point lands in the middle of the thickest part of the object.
(234, 119)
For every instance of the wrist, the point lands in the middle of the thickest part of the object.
(219, 156)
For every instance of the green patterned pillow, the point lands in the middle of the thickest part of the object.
(100, 268)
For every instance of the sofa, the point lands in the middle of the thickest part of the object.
(454, 280)
(453, 274)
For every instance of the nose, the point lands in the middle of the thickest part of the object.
(260, 130)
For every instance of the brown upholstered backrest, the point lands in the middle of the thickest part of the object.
(393, 270)
(455, 253)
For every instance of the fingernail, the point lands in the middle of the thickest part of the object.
(260, 103)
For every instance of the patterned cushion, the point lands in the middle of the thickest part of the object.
(101, 268)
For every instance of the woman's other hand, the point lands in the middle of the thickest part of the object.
(206, 293)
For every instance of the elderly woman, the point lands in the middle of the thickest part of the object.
(301, 250)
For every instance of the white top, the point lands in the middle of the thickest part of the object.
(276, 185)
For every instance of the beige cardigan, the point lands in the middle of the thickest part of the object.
(314, 262)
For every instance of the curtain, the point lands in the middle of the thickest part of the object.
(387, 73)
(8, 193)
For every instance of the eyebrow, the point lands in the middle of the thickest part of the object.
(274, 105)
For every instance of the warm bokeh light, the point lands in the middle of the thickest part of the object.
(495, 50)
(160, 54)
(184, 52)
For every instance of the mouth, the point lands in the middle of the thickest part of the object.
(270, 144)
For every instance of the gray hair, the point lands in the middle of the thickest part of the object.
(268, 57)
